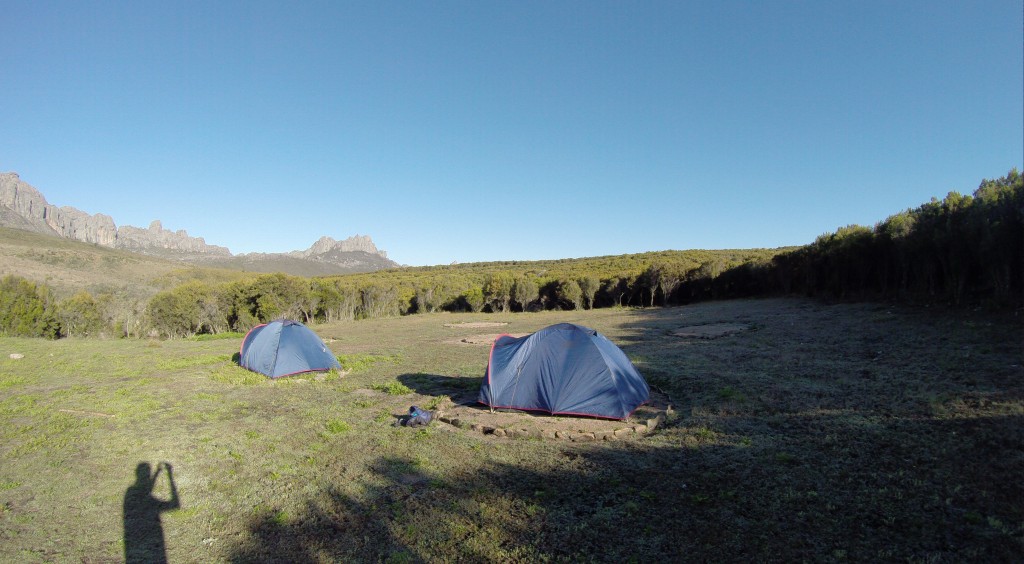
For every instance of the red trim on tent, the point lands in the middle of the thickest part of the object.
(490, 357)
(571, 413)
(242, 346)
(299, 372)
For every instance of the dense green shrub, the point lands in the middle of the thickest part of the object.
(27, 309)
(960, 248)
(80, 316)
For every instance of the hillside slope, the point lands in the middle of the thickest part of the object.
(24, 207)
(69, 266)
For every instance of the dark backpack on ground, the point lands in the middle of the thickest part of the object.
(418, 417)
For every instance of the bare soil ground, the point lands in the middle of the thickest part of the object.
(476, 324)
(470, 415)
(483, 340)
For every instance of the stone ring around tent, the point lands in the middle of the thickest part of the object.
(283, 348)
(564, 369)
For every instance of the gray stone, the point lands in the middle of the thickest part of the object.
(156, 237)
(17, 356)
(357, 243)
(43, 217)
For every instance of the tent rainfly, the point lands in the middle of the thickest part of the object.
(283, 348)
(564, 369)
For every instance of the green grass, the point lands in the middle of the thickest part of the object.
(362, 362)
(191, 362)
(393, 388)
(796, 442)
(338, 426)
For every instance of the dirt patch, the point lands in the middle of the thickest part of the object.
(465, 413)
(476, 324)
(487, 340)
(87, 413)
(711, 331)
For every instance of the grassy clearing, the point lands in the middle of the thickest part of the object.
(822, 432)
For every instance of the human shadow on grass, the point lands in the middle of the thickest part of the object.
(792, 494)
(143, 530)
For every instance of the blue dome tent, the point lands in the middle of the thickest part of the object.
(564, 369)
(283, 348)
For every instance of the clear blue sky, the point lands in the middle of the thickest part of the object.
(483, 130)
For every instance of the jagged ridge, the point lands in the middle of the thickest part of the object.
(24, 207)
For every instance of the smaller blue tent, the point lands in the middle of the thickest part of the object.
(564, 369)
(283, 348)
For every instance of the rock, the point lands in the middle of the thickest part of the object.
(29, 204)
(356, 243)
(17, 356)
(604, 435)
(499, 432)
(562, 435)
(640, 429)
(157, 238)
(624, 432)
(24, 207)
(584, 438)
(548, 434)
(455, 422)
(477, 427)
(76, 224)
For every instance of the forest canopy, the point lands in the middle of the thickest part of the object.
(960, 249)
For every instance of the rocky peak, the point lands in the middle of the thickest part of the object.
(24, 207)
(157, 238)
(327, 244)
(28, 203)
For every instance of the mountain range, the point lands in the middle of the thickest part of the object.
(24, 207)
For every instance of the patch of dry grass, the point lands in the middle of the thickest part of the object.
(821, 432)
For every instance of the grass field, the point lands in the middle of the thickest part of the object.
(849, 432)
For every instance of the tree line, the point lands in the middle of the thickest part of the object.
(958, 250)
(955, 250)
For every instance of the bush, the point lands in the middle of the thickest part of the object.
(27, 309)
